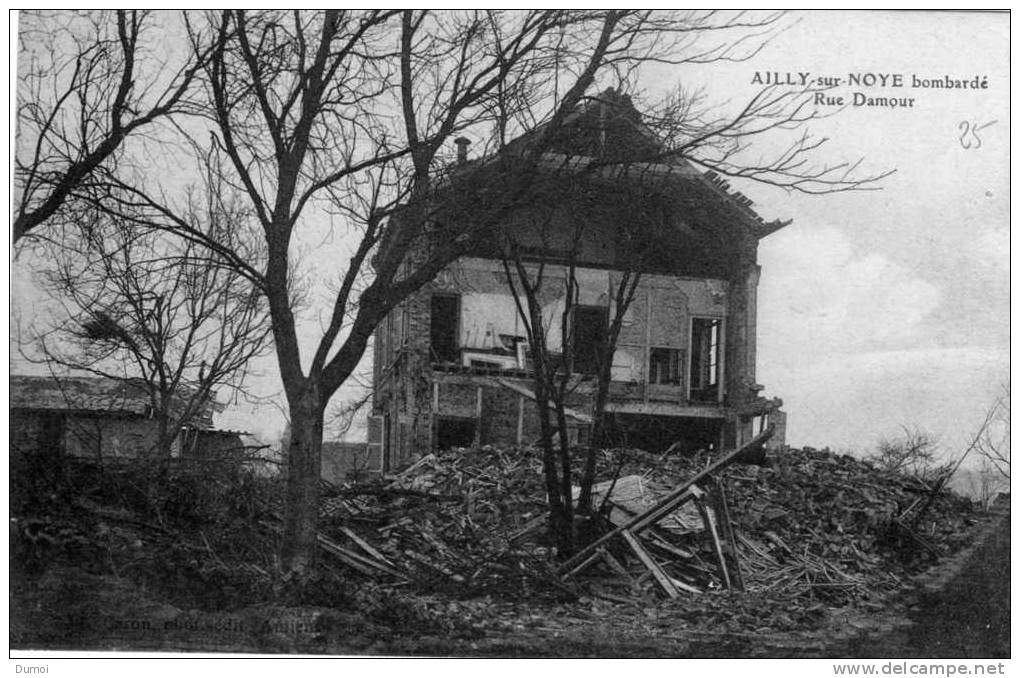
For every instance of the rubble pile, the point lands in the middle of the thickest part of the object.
(807, 523)
(466, 530)
(823, 525)
(465, 522)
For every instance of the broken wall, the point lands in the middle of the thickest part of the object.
(655, 339)
(498, 413)
(659, 315)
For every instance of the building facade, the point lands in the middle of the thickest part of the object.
(452, 365)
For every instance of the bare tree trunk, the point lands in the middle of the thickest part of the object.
(163, 441)
(301, 507)
(565, 538)
(598, 437)
(559, 521)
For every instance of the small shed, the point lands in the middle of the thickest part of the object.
(88, 417)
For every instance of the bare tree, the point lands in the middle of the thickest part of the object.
(993, 440)
(87, 81)
(546, 294)
(984, 482)
(946, 472)
(595, 182)
(145, 308)
(912, 453)
(347, 113)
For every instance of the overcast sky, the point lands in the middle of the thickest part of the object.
(891, 308)
(876, 309)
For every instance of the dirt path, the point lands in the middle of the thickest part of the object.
(968, 617)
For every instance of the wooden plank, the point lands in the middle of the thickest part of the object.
(592, 557)
(355, 560)
(530, 395)
(691, 575)
(709, 521)
(638, 523)
(685, 586)
(728, 533)
(660, 543)
(412, 469)
(669, 500)
(618, 567)
(661, 577)
(352, 535)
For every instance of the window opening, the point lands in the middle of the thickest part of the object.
(590, 332)
(664, 366)
(705, 345)
(445, 323)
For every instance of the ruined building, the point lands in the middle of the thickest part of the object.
(101, 418)
(452, 365)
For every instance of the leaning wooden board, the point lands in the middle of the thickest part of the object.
(663, 507)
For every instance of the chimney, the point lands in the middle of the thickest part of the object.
(462, 148)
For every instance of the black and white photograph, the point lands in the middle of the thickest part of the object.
(510, 333)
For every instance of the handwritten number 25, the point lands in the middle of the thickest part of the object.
(969, 134)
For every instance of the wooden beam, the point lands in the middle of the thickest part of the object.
(364, 545)
(706, 517)
(592, 557)
(728, 533)
(672, 499)
(618, 567)
(356, 560)
(654, 539)
(685, 586)
(661, 577)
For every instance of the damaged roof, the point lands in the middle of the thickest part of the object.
(91, 394)
(606, 139)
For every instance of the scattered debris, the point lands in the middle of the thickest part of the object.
(673, 573)
(812, 523)
(809, 528)
(808, 524)
(463, 522)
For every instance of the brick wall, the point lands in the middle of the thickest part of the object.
(458, 399)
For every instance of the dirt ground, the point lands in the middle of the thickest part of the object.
(965, 614)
